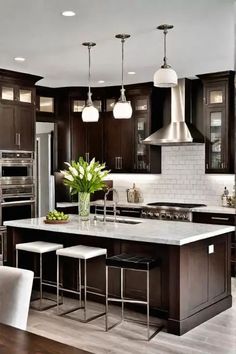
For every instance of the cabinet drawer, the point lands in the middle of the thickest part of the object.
(214, 218)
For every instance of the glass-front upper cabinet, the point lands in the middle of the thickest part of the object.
(218, 119)
(17, 94)
(78, 105)
(216, 145)
(46, 104)
(141, 126)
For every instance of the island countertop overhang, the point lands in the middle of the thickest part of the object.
(146, 230)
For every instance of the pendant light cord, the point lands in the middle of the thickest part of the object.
(89, 74)
(165, 58)
(122, 98)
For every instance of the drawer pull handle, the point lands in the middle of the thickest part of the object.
(219, 218)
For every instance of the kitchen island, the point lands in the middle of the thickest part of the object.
(191, 285)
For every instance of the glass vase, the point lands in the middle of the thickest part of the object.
(84, 206)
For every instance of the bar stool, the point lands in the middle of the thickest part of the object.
(135, 263)
(39, 247)
(84, 253)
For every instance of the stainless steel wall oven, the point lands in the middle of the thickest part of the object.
(17, 185)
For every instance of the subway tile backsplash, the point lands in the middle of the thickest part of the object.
(183, 179)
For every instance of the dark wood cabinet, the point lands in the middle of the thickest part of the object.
(118, 143)
(17, 110)
(17, 127)
(220, 219)
(218, 112)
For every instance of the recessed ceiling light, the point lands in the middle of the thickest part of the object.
(68, 13)
(101, 81)
(131, 72)
(19, 59)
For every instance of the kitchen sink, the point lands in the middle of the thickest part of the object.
(121, 221)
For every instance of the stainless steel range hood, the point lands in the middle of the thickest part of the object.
(178, 131)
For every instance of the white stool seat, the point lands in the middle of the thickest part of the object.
(81, 252)
(38, 246)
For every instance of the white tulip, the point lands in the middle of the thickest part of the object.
(73, 171)
(69, 177)
(81, 170)
(89, 177)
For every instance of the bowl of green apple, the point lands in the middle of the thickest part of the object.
(56, 217)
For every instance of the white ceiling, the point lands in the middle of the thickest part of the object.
(201, 41)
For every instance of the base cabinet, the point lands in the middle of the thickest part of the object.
(220, 219)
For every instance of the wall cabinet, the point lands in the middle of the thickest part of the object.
(17, 110)
(218, 111)
(86, 138)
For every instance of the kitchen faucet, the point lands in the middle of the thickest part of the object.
(115, 201)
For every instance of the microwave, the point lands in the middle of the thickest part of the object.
(16, 166)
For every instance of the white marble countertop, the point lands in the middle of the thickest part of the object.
(100, 202)
(215, 209)
(146, 230)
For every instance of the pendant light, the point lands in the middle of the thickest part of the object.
(89, 113)
(165, 76)
(122, 108)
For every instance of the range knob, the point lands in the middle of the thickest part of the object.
(168, 216)
(163, 215)
(176, 216)
(156, 215)
(150, 213)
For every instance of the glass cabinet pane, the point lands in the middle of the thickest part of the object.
(110, 103)
(141, 150)
(215, 139)
(46, 104)
(98, 104)
(78, 105)
(216, 96)
(25, 96)
(7, 93)
(141, 104)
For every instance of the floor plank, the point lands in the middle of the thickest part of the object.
(216, 336)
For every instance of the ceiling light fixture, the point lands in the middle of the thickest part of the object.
(131, 72)
(68, 13)
(122, 108)
(89, 113)
(165, 76)
(19, 59)
(101, 81)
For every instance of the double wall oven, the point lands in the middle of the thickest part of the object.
(17, 185)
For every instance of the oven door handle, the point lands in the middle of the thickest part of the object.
(17, 202)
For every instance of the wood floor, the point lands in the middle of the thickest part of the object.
(217, 335)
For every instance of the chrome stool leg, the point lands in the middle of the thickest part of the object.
(40, 279)
(17, 257)
(85, 290)
(148, 303)
(58, 280)
(80, 286)
(122, 292)
(106, 309)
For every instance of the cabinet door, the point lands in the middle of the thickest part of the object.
(112, 142)
(94, 140)
(78, 137)
(218, 269)
(25, 127)
(7, 127)
(127, 144)
(216, 146)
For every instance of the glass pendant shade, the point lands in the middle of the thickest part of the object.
(122, 110)
(90, 114)
(165, 77)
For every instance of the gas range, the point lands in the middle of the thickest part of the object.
(169, 211)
